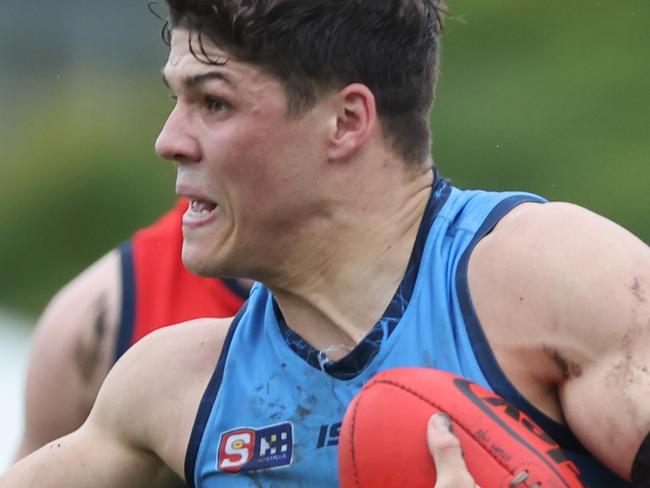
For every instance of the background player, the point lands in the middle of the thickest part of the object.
(132, 291)
(308, 165)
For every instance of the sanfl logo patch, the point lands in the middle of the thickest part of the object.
(246, 449)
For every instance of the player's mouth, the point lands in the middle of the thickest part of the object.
(200, 212)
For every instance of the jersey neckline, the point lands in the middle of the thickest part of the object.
(356, 360)
(236, 288)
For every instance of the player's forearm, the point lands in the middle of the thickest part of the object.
(54, 465)
(43, 425)
(79, 461)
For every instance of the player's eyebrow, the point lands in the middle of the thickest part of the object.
(192, 81)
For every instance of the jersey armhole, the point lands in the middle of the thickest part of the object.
(127, 310)
(497, 380)
(207, 402)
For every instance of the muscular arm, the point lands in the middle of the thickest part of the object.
(91, 456)
(139, 428)
(564, 297)
(71, 354)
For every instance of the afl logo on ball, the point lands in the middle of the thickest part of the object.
(247, 449)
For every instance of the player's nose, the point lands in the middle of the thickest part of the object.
(175, 141)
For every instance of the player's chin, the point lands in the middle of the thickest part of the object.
(199, 260)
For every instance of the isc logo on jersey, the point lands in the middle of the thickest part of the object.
(247, 449)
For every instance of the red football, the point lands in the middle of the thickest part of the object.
(383, 444)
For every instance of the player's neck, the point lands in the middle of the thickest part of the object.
(339, 293)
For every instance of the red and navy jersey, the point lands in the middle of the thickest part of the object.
(158, 291)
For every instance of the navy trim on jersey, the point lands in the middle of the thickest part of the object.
(354, 362)
(207, 402)
(127, 315)
(489, 365)
(236, 288)
(501, 385)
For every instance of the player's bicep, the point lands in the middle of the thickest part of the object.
(594, 280)
(608, 408)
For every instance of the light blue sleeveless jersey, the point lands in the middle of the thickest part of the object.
(271, 414)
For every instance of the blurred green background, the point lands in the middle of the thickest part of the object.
(550, 97)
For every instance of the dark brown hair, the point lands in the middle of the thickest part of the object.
(391, 46)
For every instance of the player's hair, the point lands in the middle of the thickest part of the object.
(391, 46)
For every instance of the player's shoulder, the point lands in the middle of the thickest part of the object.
(176, 351)
(171, 360)
(151, 395)
(533, 221)
(548, 237)
(550, 276)
(545, 263)
(184, 338)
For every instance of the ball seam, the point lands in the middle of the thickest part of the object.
(434, 404)
(354, 458)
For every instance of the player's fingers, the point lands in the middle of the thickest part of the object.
(447, 453)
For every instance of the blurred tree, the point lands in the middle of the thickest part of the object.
(79, 176)
(551, 97)
(548, 96)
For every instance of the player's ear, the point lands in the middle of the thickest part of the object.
(356, 119)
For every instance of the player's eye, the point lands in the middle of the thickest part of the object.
(214, 104)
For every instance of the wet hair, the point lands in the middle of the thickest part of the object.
(391, 46)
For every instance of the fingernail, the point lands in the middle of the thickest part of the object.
(442, 422)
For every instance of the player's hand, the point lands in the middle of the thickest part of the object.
(445, 448)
